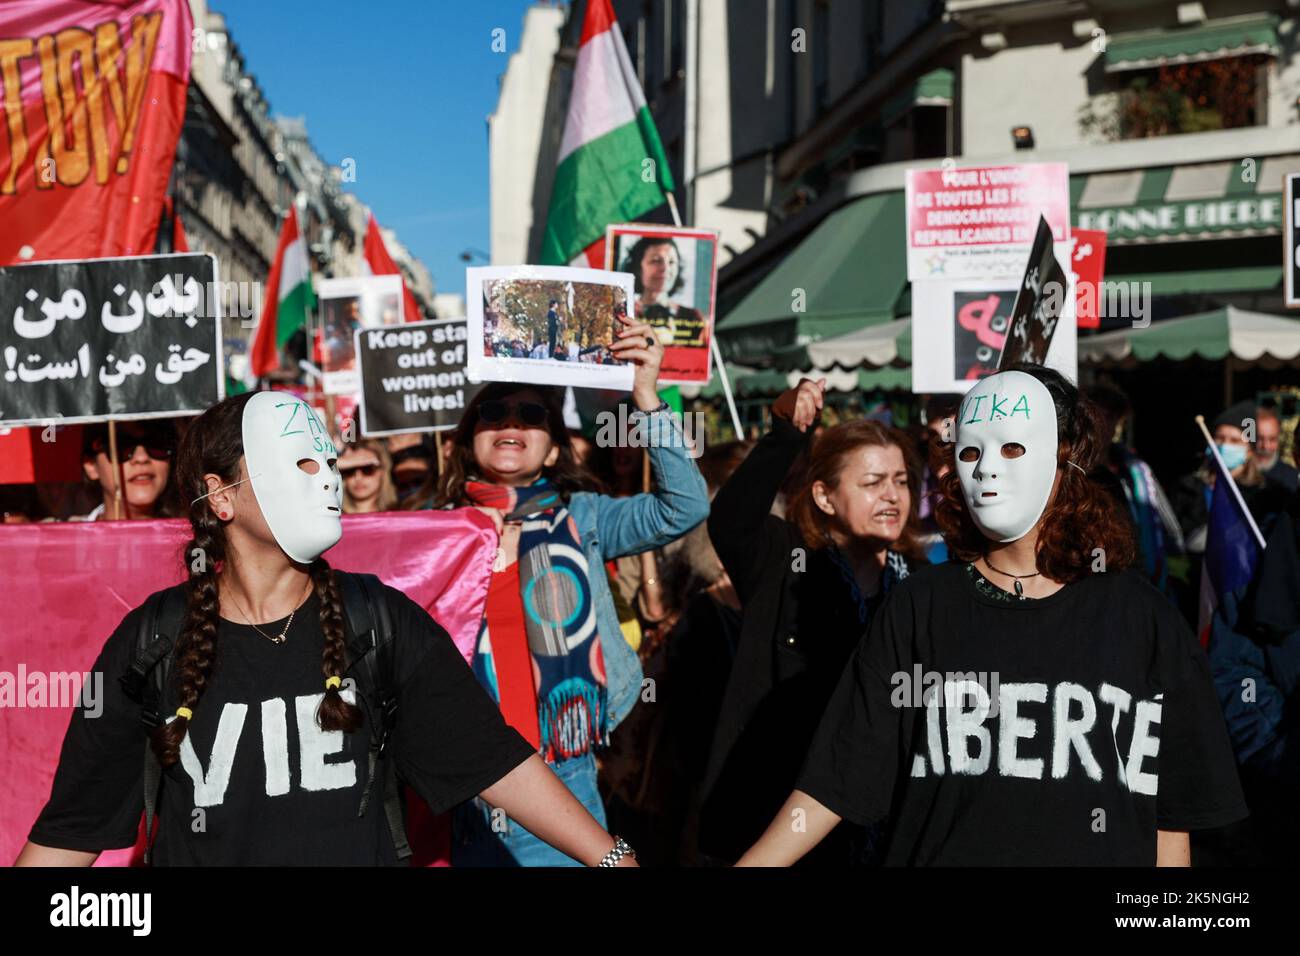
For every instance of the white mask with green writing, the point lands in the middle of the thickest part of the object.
(295, 477)
(1006, 453)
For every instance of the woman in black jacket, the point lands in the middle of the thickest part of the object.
(809, 584)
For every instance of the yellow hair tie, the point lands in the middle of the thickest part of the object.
(333, 682)
(184, 712)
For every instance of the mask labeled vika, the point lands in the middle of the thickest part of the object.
(1006, 453)
(295, 478)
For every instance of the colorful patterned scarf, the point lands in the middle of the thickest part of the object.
(538, 651)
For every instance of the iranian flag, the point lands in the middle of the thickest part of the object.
(286, 301)
(611, 166)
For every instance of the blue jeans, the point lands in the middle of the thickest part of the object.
(476, 842)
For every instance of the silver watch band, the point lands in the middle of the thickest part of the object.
(620, 850)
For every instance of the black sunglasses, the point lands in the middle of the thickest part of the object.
(127, 447)
(494, 412)
(368, 470)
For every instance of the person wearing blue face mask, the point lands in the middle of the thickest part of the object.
(1192, 495)
(1231, 432)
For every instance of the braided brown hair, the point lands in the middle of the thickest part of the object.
(214, 444)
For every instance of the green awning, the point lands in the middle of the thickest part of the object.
(1252, 337)
(847, 273)
(1211, 41)
(933, 89)
(1204, 281)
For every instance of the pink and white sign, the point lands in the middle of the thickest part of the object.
(978, 222)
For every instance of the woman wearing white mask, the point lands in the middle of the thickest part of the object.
(1031, 702)
(264, 740)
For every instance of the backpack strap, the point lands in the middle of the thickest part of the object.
(145, 681)
(372, 628)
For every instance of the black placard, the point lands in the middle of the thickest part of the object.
(1039, 304)
(413, 376)
(100, 339)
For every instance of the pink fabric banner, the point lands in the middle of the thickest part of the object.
(66, 587)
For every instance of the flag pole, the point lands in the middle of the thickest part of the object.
(714, 352)
(118, 470)
(1236, 492)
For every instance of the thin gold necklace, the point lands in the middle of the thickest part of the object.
(276, 638)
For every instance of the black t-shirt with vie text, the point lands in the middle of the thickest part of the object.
(1062, 731)
(259, 782)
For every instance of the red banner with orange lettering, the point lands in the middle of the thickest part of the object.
(93, 97)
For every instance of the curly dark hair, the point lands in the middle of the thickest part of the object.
(214, 444)
(632, 261)
(1080, 517)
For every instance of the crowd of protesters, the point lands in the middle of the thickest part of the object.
(720, 659)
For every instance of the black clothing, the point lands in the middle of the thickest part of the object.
(800, 623)
(1061, 731)
(1283, 475)
(552, 331)
(259, 783)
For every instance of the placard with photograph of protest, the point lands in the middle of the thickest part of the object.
(674, 279)
(348, 304)
(547, 325)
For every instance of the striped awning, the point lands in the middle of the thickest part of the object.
(1255, 337)
(1197, 201)
(1237, 36)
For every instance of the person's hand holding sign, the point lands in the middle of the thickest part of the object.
(802, 405)
(636, 342)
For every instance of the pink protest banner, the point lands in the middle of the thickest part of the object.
(67, 587)
(978, 222)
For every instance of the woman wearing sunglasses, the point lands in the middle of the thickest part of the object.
(368, 486)
(550, 650)
(145, 451)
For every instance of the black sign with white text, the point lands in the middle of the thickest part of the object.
(100, 339)
(413, 376)
(1039, 304)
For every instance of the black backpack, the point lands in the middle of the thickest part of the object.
(369, 663)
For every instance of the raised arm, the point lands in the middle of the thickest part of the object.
(740, 517)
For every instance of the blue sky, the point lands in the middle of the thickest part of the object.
(404, 87)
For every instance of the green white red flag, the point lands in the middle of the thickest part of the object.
(611, 167)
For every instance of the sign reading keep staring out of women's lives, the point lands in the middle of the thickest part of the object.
(100, 339)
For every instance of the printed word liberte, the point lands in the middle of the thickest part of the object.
(1079, 736)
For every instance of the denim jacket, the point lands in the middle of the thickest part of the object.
(612, 527)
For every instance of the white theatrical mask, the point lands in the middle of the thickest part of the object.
(302, 504)
(999, 417)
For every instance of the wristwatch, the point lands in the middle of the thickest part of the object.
(620, 850)
(661, 407)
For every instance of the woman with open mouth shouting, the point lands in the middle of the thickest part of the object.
(810, 584)
(550, 650)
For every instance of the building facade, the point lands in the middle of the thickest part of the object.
(237, 171)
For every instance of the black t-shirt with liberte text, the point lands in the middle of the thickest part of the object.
(1060, 731)
(259, 782)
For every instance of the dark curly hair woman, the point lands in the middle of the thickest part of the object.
(266, 739)
(1033, 702)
